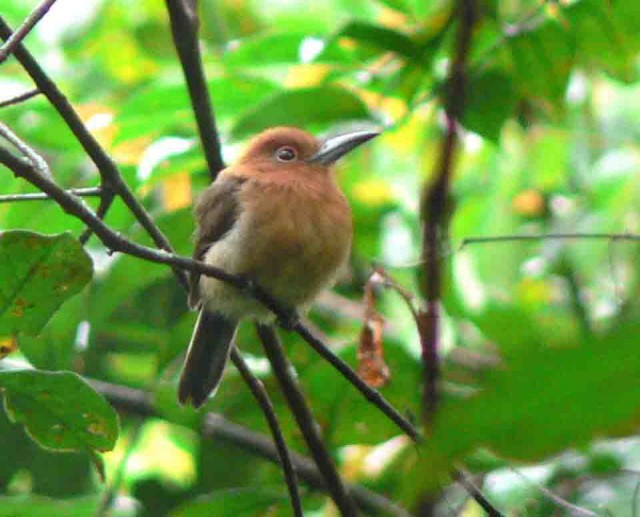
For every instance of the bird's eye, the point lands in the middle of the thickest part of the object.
(286, 154)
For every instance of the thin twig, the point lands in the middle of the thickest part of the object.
(350, 375)
(41, 196)
(183, 16)
(554, 498)
(118, 243)
(24, 29)
(38, 162)
(464, 478)
(262, 397)
(19, 98)
(307, 424)
(139, 402)
(106, 200)
(111, 176)
(490, 239)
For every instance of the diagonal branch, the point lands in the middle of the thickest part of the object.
(24, 29)
(262, 397)
(109, 173)
(19, 98)
(118, 243)
(307, 424)
(140, 403)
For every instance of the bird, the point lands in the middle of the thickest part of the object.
(275, 216)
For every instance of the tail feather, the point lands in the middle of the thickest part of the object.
(207, 356)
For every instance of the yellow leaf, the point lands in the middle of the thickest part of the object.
(176, 191)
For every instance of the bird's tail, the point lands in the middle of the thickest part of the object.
(207, 356)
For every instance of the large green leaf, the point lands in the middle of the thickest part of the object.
(542, 59)
(302, 107)
(607, 35)
(382, 38)
(266, 50)
(541, 401)
(490, 100)
(37, 274)
(59, 410)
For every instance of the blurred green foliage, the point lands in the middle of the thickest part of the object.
(539, 361)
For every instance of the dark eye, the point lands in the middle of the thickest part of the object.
(286, 154)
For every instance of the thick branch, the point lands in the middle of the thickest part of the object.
(307, 424)
(140, 403)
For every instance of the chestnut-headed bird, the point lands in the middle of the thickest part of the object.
(277, 217)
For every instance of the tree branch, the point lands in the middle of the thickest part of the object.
(262, 397)
(138, 402)
(19, 98)
(183, 16)
(41, 196)
(549, 236)
(24, 29)
(118, 243)
(109, 173)
(435, 209)
(307, 424)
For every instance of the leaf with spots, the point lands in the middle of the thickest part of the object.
(37, 274)
(59, 410)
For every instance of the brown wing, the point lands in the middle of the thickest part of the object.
(216, 212)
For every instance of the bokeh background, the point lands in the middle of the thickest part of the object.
(540, 356)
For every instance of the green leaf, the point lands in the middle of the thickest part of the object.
(28, 506)
(490, 100)
(231, 503)
(540, 401)
(542, 60)
(266, 50)
(59, 410)
(604, 38)
(164, 107)
(381, 38)
(321, 105)
(38, 273)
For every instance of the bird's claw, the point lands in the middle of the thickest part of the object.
(288, 319)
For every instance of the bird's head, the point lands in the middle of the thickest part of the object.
(290, 148)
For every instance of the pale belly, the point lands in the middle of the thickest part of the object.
(293, 260)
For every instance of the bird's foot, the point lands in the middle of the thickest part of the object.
(288, 319)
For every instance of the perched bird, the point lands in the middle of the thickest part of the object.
(277, 217)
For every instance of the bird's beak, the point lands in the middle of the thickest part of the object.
(335, 147)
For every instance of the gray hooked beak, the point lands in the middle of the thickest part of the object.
(335, 147)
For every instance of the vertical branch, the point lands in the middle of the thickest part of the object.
(262, 397)
(307, 424)
(183, 15)
(434, 208)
